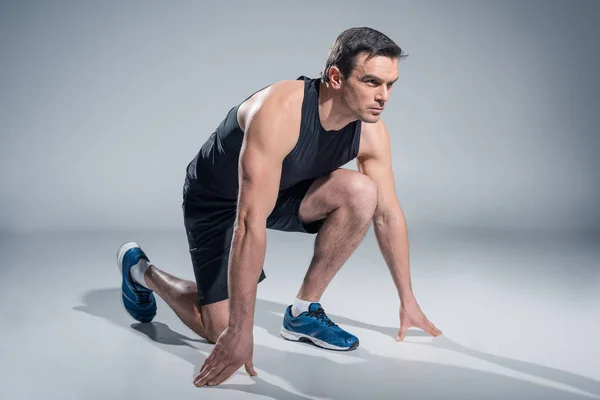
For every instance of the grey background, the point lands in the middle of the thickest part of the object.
(494, 121)
(494, 133)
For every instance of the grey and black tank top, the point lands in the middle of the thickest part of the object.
(214, 170)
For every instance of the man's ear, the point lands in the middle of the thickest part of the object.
(335, 77)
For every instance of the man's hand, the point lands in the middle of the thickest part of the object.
(411, 315)
(232, 350)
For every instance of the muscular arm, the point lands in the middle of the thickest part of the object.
(390, 226)
(261, 157)
(269, 124)
(388, 221)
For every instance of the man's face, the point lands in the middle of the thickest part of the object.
(368, 88)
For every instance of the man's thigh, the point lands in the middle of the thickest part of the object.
(286, 213)
(305, 206)
(329, 192)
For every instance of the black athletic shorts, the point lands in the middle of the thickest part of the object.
(209, 227)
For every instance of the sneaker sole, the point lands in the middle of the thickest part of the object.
(300, 337)
(121, 253)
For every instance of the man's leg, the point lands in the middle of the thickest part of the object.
(201, 305)
(182, 296)
(339, 208)
(347, 200)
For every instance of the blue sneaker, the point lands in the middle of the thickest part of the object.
(316, 327)
(137, 299)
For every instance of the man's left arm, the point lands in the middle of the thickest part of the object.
(390, 228)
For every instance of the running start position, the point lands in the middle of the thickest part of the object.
(275, 162)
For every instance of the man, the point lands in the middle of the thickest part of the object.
(274, 162)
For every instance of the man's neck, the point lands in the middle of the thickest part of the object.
(333, 113)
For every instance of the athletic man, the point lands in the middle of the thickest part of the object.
(274, 162)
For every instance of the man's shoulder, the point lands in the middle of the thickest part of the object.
(281, 100)
(284, 94)
(374, 139)
(373, 128)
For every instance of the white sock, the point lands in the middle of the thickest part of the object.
(138, 270)
(300, 306)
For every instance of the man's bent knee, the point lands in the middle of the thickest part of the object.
(215, 318)
(341, 188)
(361, 193)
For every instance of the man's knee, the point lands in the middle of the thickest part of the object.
(214, 331)
(360, 193)
(215, 318)
(342, 188)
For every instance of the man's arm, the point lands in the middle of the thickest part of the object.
(388, 221)
(390, 225)
(261, 158)
(260, 161)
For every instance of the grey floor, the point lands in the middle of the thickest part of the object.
(520, 314)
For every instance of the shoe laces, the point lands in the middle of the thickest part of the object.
(320, 315)
(143, 296)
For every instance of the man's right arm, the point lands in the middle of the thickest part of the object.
(263, 150)
(269, 136)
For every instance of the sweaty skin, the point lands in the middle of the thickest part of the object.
(271, 122)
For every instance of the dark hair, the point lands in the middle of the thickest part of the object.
(354, 41)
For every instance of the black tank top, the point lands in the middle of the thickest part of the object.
(213, 173)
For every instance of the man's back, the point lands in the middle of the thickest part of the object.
(213, 173)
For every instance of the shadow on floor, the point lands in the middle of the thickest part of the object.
(365, 375)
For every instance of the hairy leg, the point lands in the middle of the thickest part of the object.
(347, 200)
(182, 296)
